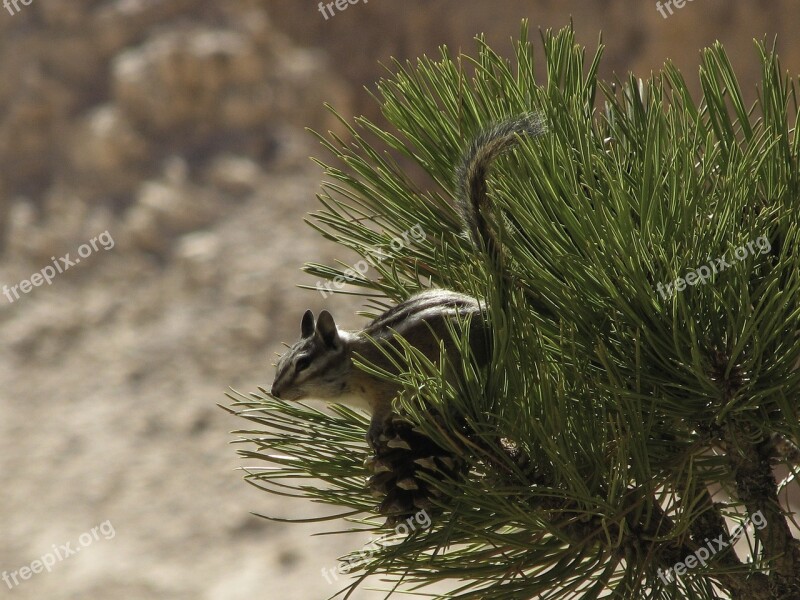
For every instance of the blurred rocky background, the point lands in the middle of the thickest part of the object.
(178, 127)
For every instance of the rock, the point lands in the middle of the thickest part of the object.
(170, 207)
(232, 174)
(192, 81)
(113, 156)
(197, 256)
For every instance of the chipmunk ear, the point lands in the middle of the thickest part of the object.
(326, 329)
(307, 325)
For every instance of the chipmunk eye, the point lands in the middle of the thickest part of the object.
(302, 364)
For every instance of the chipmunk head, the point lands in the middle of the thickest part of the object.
(317, 365)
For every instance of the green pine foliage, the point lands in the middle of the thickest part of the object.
(629, 404)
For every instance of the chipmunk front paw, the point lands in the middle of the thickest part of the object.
(376, 433)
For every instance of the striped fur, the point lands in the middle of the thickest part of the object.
(422, 320)
(320, 364)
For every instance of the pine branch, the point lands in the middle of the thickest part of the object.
(638, 536)
(710, 525)
(758, 491)
(577, 465)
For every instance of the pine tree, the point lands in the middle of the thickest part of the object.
(631, 423)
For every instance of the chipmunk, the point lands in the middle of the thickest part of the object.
(320, 364)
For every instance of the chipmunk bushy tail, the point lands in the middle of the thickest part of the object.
(472, 191)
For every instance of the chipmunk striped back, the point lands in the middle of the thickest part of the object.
(320, 364)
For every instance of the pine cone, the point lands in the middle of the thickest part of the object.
(401, 456)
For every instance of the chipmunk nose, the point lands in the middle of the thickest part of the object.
(275, 391)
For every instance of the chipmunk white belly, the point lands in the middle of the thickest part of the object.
(351, 399)
(355, 400)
